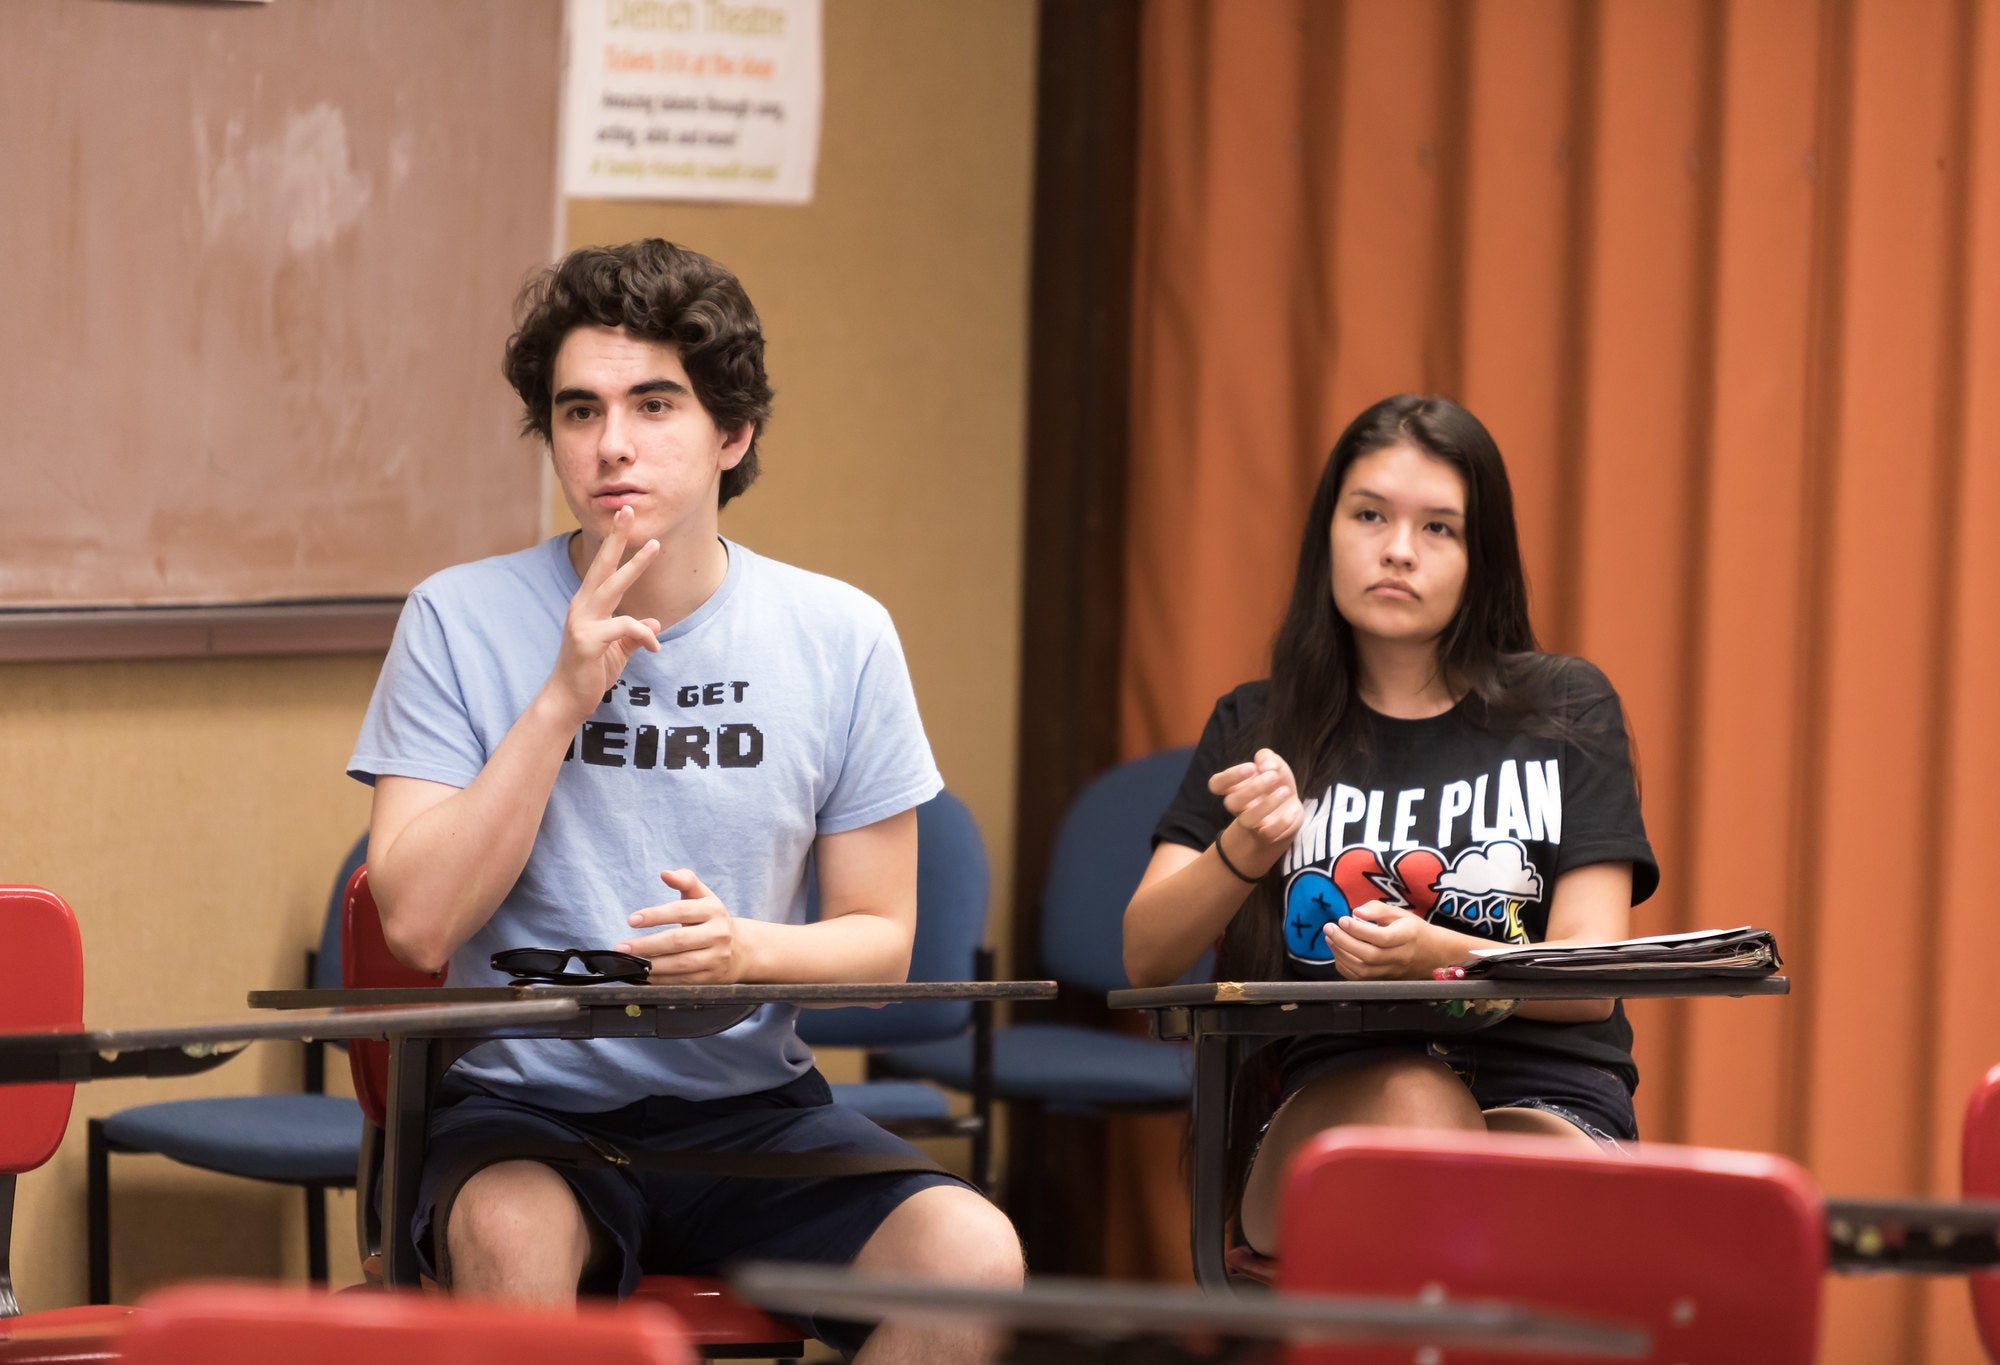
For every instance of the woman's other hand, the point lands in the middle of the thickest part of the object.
(1380, 942)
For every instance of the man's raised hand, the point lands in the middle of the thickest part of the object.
(598, 642)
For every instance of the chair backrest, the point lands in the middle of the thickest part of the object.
(247, 1324)
(1979, 1176)
(1717, 1254)
(951, 926)
(41, 987)
(1101, 850)
(366, 961)
(326, 959)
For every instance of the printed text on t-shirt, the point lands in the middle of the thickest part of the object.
(619, 744)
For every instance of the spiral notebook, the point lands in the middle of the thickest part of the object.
(1745, 951)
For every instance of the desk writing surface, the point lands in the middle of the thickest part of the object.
(1098, 1309)
(1912, 1235)
(668, 997)
(167, 1050)
(1358, 992)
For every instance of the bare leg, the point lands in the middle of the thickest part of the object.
(949, 1235)
(1540, 1121)
(1405, 1091)
(516, 1232)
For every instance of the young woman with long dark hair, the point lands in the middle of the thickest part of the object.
(1415, 779)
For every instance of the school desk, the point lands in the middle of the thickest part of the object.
(1226, 1020)
(419, 1057)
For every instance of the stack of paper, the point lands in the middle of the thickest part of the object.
(1707, 952)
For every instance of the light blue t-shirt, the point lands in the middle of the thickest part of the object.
(778, 711)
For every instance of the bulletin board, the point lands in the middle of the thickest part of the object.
(260, 263)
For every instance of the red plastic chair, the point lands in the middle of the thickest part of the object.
(365, 961)
(41, 987)
(243, 1324)
(1717, 1254)
(1979, 1178)
(714, 1321)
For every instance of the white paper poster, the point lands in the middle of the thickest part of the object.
(692, 99)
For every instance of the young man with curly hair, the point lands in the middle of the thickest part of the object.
(634, 737)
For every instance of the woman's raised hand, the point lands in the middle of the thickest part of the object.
(1263, 796)
(597, 642)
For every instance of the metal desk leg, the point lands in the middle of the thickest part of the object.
(1210, 1121)
(9, 1307)
(405, 1121)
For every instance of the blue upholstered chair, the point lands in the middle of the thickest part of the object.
(1101, 850)
(308, 1139)
(949, 946)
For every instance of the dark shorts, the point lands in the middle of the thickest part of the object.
(1499, 1075)
(676, 1223)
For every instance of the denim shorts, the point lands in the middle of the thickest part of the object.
(1499, 1075)
(679, 1223)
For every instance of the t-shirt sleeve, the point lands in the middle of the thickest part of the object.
(1197, 815)
(886, 766)
(417, 724)
(1600, 798)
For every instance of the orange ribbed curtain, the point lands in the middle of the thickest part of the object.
(1724, 280)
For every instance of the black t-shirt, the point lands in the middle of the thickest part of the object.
(1466, 825)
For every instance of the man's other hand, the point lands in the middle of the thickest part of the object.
(696, 939)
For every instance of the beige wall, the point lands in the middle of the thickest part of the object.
(896, 311)
(193, 812)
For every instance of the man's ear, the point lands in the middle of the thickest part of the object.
(736, 444)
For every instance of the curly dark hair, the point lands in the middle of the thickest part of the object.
(659, 292)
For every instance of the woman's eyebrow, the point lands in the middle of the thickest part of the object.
(1373, 496)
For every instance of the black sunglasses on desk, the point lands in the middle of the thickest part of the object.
(549, 966)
